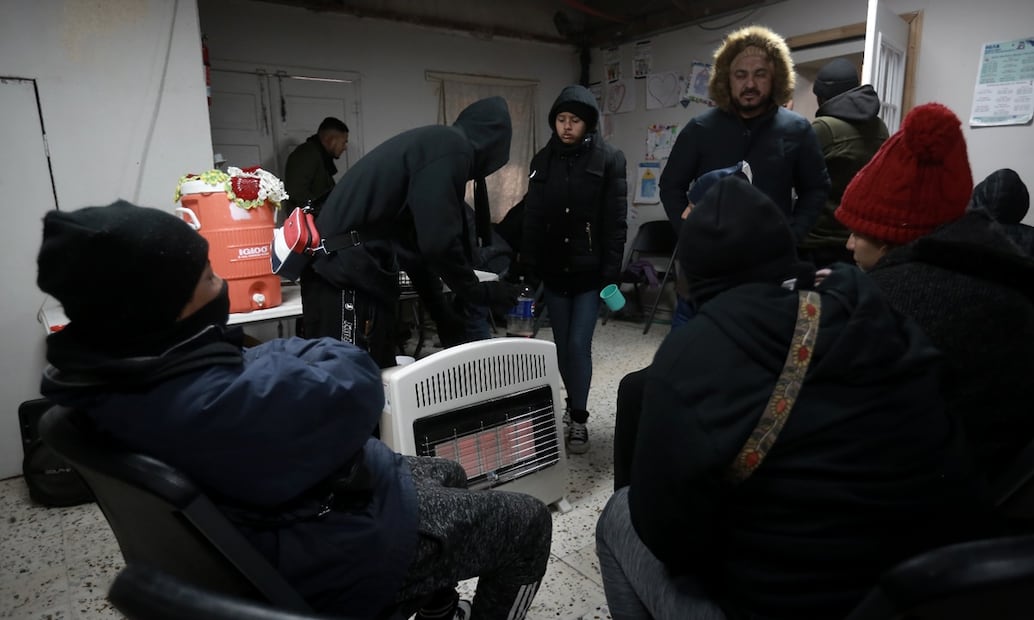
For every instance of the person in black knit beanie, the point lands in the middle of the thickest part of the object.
(277, 433)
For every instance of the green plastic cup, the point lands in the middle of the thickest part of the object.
(611, 295)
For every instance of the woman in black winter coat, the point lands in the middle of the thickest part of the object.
(574, 238)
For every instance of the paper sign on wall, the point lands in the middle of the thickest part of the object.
(647, 190)
(662, 90)
(659, 141)
(1004, 93)
(695, 90)
(620, 97)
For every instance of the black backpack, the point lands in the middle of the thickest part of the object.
(51, 480)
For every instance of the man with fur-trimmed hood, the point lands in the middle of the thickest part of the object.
(751, 80)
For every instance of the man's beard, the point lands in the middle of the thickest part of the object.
(761, 104)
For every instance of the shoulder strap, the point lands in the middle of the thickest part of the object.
(787, 387)
(383, 231)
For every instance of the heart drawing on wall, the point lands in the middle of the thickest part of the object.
(615, 97)
(662, 90)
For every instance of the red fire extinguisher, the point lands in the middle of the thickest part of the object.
(208, 68)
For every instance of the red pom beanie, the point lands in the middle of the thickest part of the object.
(918, 180)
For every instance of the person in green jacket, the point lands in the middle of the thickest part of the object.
(309, 173)
(850, 132)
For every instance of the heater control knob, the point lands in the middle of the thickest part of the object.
(259, 299)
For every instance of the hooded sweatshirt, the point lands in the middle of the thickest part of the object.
(409, 190)
(850, 132)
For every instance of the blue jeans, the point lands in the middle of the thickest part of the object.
(476, 326)
(573, 319)
(684, 311)
(637, 584)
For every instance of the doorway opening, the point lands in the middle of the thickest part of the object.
(260, 114)
(893, 77)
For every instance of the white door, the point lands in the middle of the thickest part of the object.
(883, 66)
(28, 194)
(242, 125)
(300, 105)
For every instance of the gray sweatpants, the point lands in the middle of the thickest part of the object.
(637, 585)
(502, 538)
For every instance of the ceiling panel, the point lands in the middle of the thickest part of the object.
(575, 22)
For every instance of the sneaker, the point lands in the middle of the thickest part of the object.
(567, 425)
(462, 610)
(578, 438)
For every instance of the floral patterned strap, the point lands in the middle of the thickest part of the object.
(787, 387)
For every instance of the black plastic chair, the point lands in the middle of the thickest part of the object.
(981, 579)
(160, 518)
(653, 240)
(1013, 490)
(668, 273)
(142, 592)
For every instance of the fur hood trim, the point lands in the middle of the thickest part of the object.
(752, 36)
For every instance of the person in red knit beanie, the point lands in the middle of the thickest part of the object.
(955, 273)
(919, 179)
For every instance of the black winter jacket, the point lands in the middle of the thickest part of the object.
(308, 174)
(972, 292)
(575, 210)
(867, 471)
(780, 147)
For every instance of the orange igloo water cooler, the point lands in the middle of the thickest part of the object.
(238, 243)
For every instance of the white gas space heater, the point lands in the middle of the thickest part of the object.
(489, 405)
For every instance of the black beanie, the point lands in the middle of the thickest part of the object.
(578, 100)
(579, 109)
(1004, 195)
(838, 76)
(120, 267)
(737, 235)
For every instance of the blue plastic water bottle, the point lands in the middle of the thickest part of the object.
(520, 322)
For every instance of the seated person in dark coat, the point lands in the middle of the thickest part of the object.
(866, 468)
(955, 273)
(1004, 195)
(277, 432)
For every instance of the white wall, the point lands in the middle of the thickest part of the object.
(114, 130)
(390, 58)
(952, 35)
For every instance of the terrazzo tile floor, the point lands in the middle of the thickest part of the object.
(57, 563)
